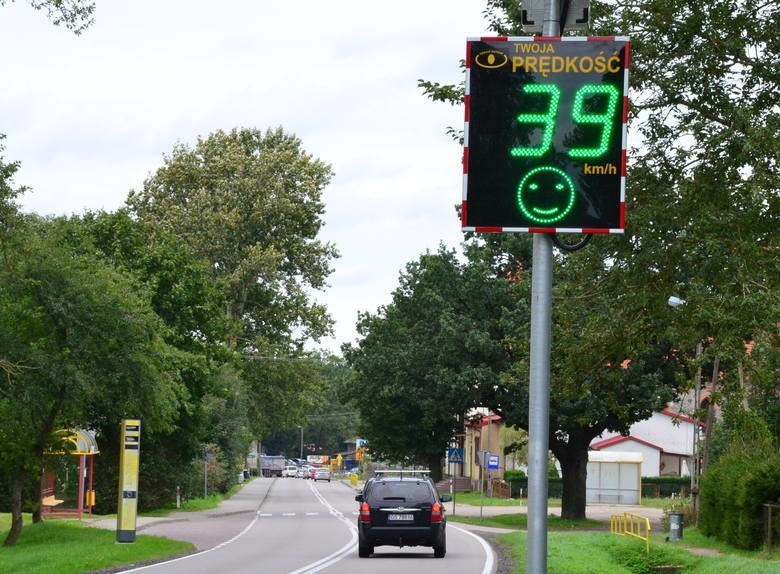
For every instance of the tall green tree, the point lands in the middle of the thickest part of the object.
(87, 347)
(250, 203)
(428, 358)
(181, 291)
(703, 200)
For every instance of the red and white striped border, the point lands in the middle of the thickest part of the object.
(623, 159)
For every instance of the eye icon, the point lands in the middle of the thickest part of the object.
(491, 59)
(545, 195)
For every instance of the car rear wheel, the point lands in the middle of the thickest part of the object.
(364, 550)
(440, 549)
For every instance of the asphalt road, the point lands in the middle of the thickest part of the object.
(295, 526)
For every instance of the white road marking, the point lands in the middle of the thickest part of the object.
(338, 554)
(490, 558)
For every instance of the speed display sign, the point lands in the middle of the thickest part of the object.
(545, 134)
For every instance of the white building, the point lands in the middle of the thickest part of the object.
(665, 441)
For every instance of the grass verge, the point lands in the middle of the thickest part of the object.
(600, 552)
(65, 546)
(194, 504)
(519, 521)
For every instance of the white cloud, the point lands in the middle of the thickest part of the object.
(90, 116)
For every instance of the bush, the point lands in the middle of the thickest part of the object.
(733, 492)
(513, 475)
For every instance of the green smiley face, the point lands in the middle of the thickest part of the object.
(545, 194)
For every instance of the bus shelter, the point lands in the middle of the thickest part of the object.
(67, 480)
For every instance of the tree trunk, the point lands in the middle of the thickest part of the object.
(434, 465)
(17, 491)
(573, 458)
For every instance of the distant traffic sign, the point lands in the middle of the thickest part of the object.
(455, 455)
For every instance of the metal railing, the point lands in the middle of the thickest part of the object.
(629, 524)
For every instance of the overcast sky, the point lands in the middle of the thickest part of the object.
(89, 117)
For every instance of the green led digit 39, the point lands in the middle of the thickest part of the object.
(581, 113)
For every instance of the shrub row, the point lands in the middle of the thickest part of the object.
(733, 493)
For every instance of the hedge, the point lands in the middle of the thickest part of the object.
(733, 492)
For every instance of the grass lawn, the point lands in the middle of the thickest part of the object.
(474, 498)
(66, 546)
(602, 552)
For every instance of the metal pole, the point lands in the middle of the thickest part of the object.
(539, 383)
(539, 402)
(301, 427)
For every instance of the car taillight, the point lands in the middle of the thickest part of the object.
(436, 512)
(365, 512)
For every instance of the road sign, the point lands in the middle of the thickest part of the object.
(127, 506)
(545, 134)
(493, 462)
(455, 455)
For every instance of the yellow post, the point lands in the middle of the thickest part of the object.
(127, 507)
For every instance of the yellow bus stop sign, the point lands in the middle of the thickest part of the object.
(127, 507)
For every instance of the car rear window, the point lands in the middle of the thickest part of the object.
(401, 491)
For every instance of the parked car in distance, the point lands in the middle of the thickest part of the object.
(321, 474)
(290, 471)
(401, 510)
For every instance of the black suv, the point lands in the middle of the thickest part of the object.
(401, 509)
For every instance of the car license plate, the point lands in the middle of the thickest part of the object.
(399, 517)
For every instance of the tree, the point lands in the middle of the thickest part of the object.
(76, 15)
(703, 196)
(428, 358)
(87, 345)
(182, 293)
(250, 204)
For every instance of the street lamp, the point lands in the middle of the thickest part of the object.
(300, 427)
(675, 301)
